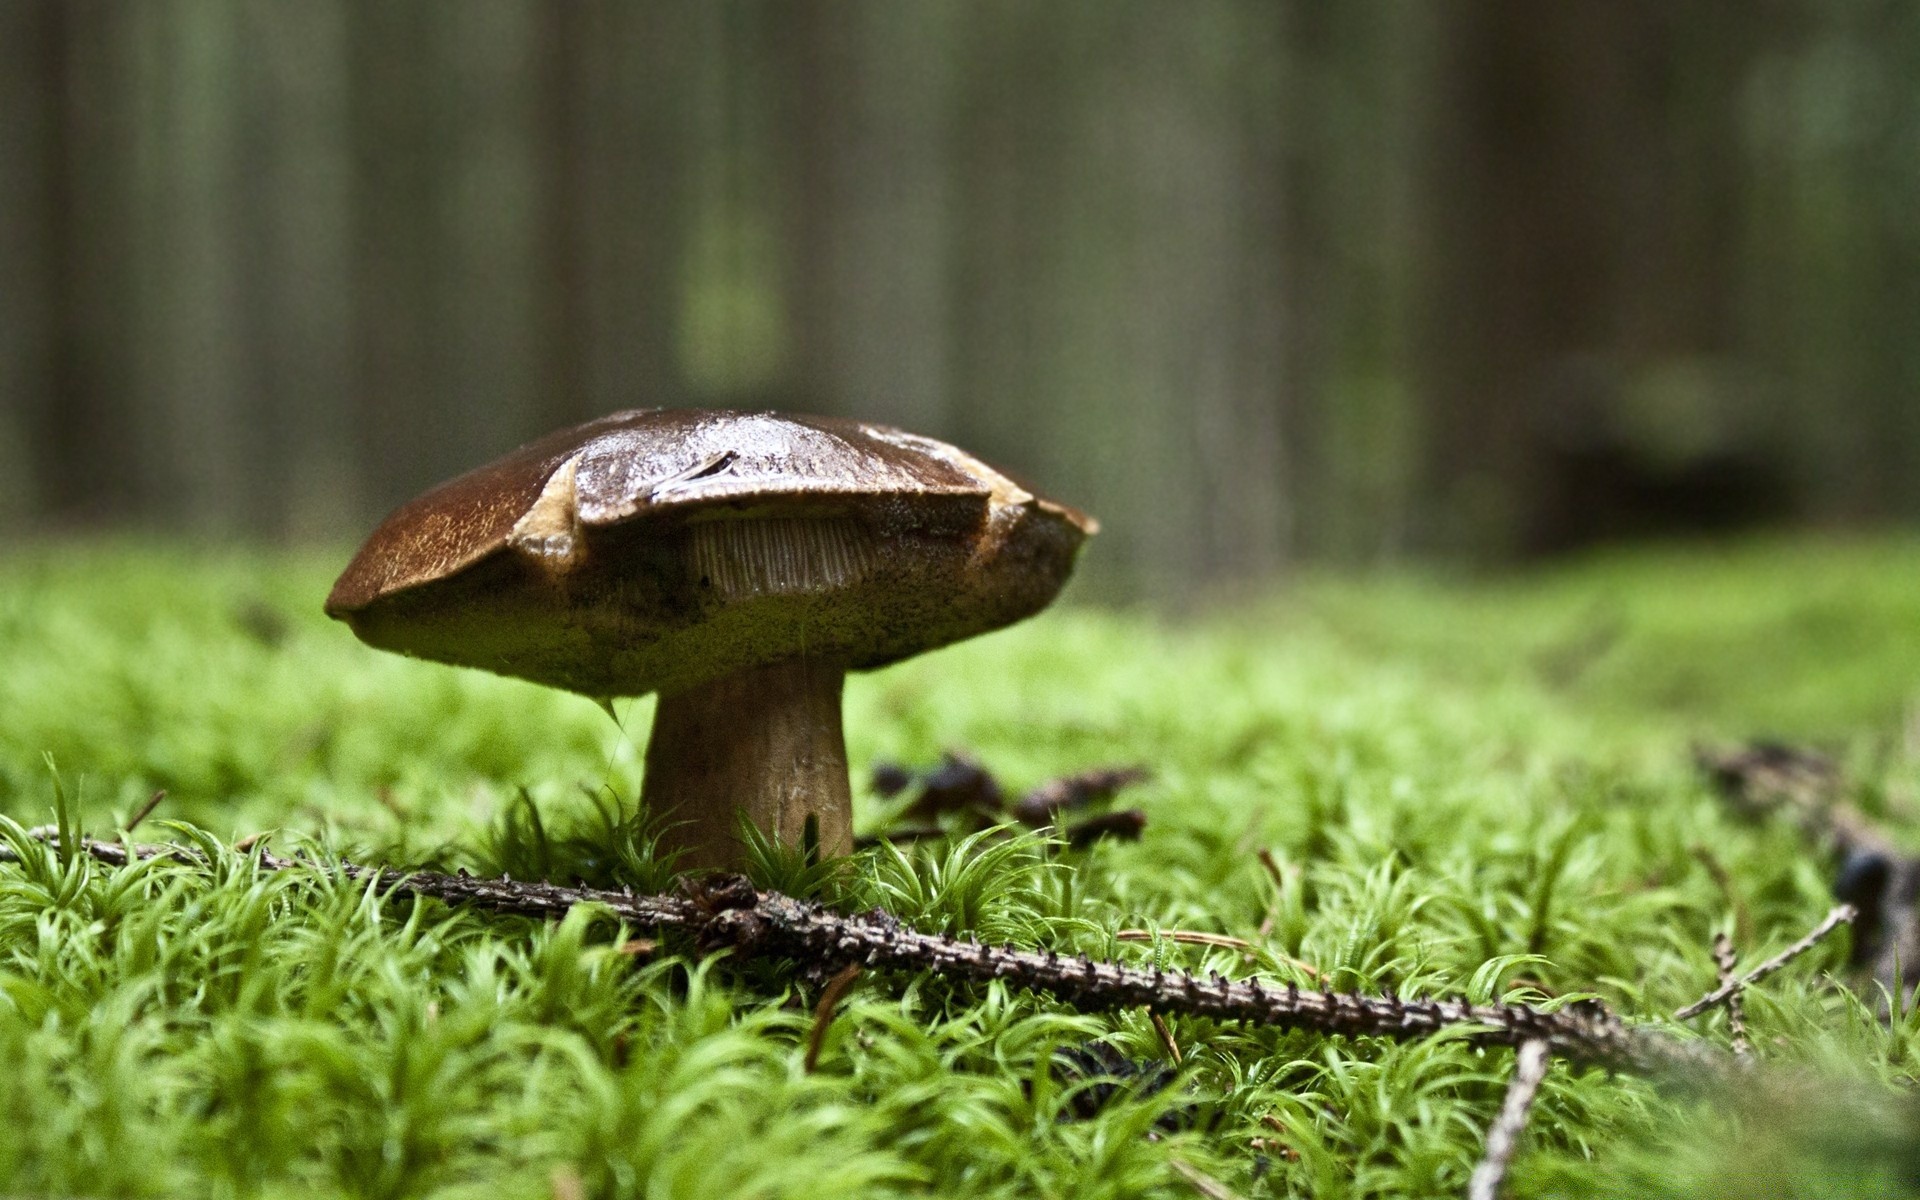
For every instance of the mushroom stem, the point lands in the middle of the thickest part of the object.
(765, 742)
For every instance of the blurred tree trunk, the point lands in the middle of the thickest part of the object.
(299, 279)
(617, 78)
(1012, 129)
(1833, 248)
(1248, 281)
(92, 446)
(31, 50)
(1886, 109)
(395, 156)
(733, 335)
(1897, 307)
(198, 457)
(1203, 317)
(1580, 204)
(1521, 226)
(1120, 306)
(486, 208)
(451, 252)
(1359, 92)
(1171, 295)
(865, 94)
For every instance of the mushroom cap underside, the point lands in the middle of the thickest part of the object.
(653, 550)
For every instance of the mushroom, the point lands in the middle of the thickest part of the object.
(738, 564)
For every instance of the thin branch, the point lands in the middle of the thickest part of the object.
(1724, 959)
(727, 913)
(823, 1014)
(1503, 1136)
(1873, 872)
(1838, 917)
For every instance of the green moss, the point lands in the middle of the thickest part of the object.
(1478, 788)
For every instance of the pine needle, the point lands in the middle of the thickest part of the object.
(1166, 1037)
(144, 811)
(823, 1014)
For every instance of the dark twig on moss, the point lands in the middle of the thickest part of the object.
(1503, 1136)
(727, 913)
(1044, 804)
(961, 783)
(1726, 991)
(1874, 873)
(1763, 776)
(1769, 777)
(1125, 825)
(1724, 960)
(962, 796)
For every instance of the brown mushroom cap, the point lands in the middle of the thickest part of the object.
(657, 549)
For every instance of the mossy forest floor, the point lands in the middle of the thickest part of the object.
(1469, 788)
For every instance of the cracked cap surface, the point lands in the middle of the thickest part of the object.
(656, 549)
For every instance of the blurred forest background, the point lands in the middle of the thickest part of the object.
(1257, 281)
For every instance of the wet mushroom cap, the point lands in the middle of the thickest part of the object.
(654, 550)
